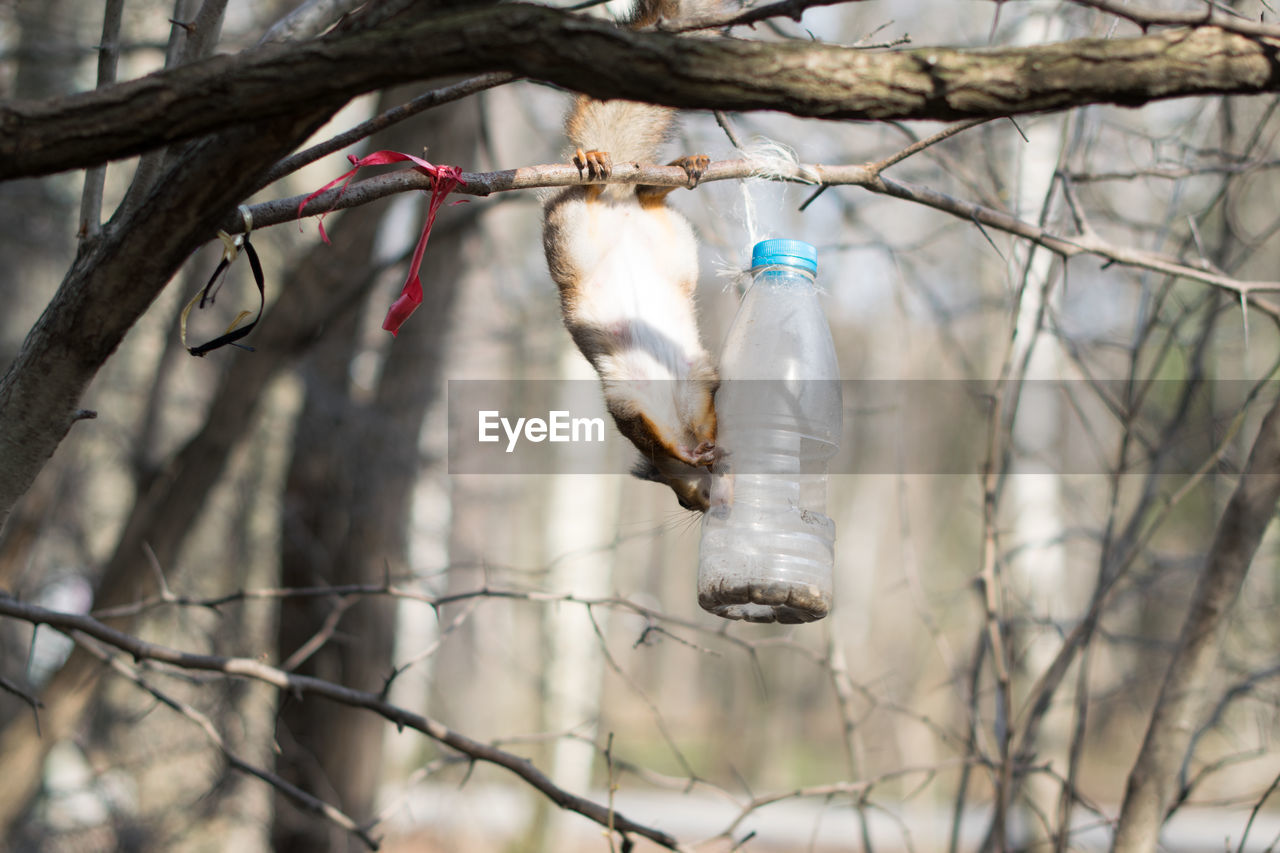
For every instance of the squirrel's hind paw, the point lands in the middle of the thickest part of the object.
(596, 165)
(694, 165)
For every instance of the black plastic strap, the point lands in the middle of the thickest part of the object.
(206, 296)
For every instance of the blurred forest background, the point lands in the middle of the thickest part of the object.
(1005, 636)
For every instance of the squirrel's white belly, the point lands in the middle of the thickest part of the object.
(640, 267)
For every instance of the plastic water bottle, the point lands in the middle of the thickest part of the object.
(767, 544)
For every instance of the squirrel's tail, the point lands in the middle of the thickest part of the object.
(647, 13)
(630, 131)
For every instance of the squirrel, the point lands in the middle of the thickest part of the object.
(626, 267)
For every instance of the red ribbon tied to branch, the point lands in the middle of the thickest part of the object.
(444, 179)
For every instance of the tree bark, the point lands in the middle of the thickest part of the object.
(347, 503)
(35, 246)
(114, 279)
(164, 513)
(805, 79)
(1153, 779)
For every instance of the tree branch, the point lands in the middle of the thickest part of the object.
(866, 176)
(309, 19)
(806, 79)
(1146, 16)
(108, 60)
(1154, 777)
(114, 279)
(311, 803)
(302, 685)
(425, 101)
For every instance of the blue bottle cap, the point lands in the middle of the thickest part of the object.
(787, 253)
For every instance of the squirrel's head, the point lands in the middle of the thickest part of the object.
(661, 393)
(692, 486)
(673, 425)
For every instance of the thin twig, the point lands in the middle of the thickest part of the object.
(1075, 754)
(793, 9)
(1237, 537)
(441, 635)
(382, 121)
(30, 698)
(658, 720)
(150, 163)
(833, 790)
(1111, 573)
(203, 32)
(435, 601)
(842, 683)
(257, 670)
(922, 144)
(322, 635)
(302, 798)
(1146, 17)
(108, 61)
(613, 789)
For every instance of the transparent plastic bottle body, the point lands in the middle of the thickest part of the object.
(767, 545)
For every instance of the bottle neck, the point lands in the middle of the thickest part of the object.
(783, 274)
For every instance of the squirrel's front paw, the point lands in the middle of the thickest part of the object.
(596, 165)
(694, 165)
(706, 454)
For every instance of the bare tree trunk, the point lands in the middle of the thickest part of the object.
(1154, 776)
(1035, 501)
(347, 506)
(162, 515)
(581, 513)
(35, 234)
(36, 243)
